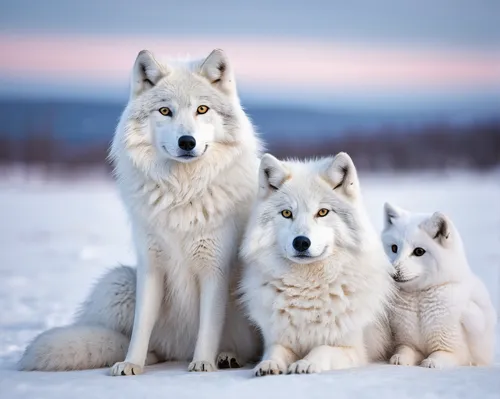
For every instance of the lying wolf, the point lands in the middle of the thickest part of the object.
(316, 281)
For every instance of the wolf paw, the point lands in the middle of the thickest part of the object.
(433, 363)
(201, 366)
(228, 360)
(303, 367)
(430, 363)
(125, 368)
(268, 367)
(401, 360)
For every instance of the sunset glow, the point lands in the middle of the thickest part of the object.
(311, 65)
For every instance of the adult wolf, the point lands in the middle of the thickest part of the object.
(186, 162)
(316, 280)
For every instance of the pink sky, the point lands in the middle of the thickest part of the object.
(274, 63)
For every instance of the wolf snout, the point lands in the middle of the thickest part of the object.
(187, 143)
(301, 243)
(400, 277)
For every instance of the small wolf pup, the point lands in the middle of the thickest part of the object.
(186, 159)
(316, 280)
(443, 315)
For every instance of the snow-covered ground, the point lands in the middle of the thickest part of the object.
(57, 238)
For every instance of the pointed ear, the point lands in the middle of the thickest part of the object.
(439, 227)
(391, 213)
(342, 175)
(272, 174)
(218, 71)
(146, 73)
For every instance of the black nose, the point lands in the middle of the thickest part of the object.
(187, 143)
(301, 243)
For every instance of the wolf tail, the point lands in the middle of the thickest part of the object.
(75, 347)
(100, 335)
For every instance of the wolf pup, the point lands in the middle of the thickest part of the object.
(443, 315)
(316, 280)
(186, 161)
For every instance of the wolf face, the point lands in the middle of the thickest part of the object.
(305, 211)
(424, 249)
(180, 111)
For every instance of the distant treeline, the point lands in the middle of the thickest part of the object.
(475, 146)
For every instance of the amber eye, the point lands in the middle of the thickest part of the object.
(394, 249)
(165, 111)
(418, 251)
(202, 109)
(287, 214)
(323, 212)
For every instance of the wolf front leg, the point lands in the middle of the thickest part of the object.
(275, 360)
(325, 357)
(213, 301)
(406, 356)
(149, 295)
(441, 360)
(213, 257)
(349, 352)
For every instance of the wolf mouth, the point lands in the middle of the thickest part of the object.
(187, 156)
(190, 155)
(305, 257)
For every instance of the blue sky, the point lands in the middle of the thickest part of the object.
(440, 22)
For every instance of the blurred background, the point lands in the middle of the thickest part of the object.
(397, 84)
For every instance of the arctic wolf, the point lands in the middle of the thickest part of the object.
(186, 162)
(443, 315)
(316, 280)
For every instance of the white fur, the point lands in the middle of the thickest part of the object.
(328, 308)
(187, 211)
(443, 315)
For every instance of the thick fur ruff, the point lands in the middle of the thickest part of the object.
(324, 308)
(188, 202)
(443, 315)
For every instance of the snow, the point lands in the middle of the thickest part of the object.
(57, 237)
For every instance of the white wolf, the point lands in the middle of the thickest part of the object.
(316, 280)
(186, 159)
(443, 315)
